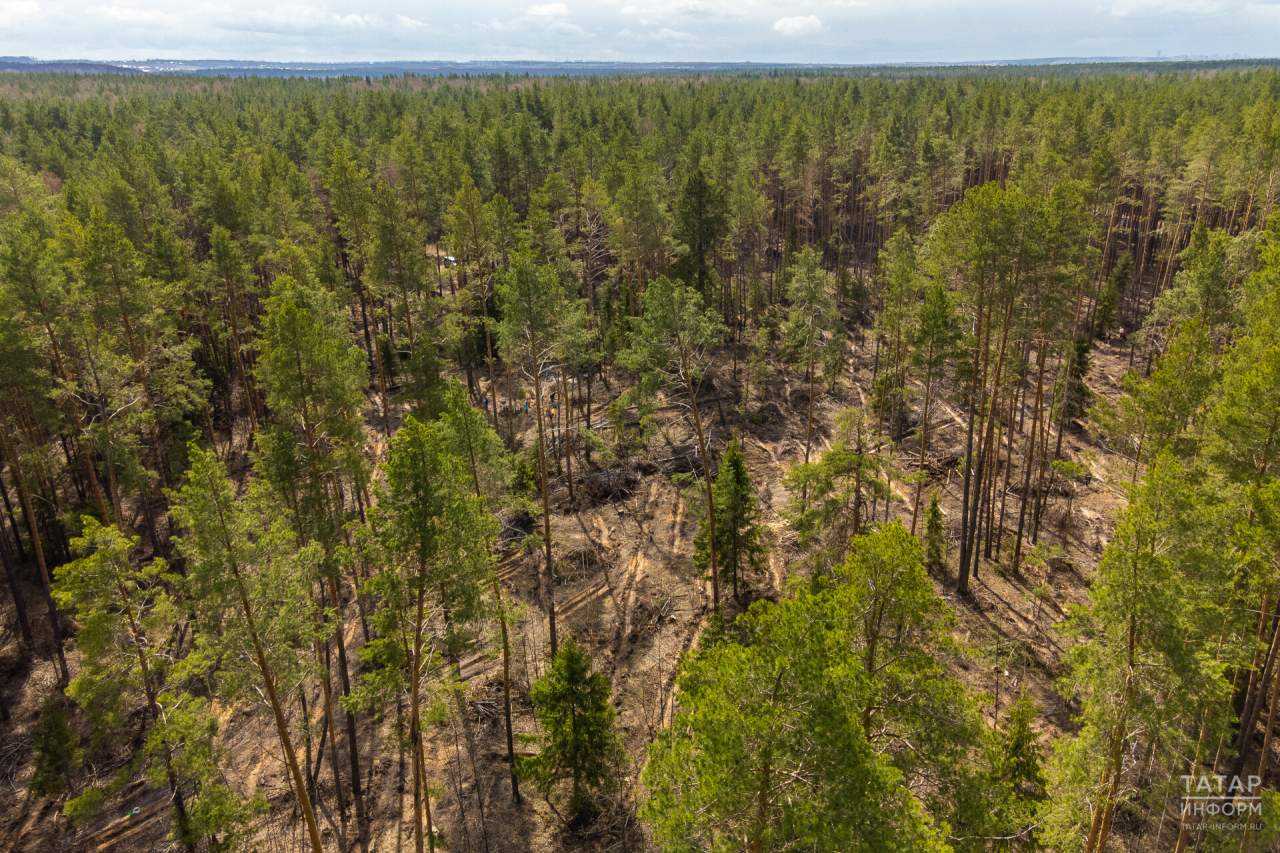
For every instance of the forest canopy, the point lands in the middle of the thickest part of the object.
(834, 461)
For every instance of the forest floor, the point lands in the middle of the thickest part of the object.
(626, 588)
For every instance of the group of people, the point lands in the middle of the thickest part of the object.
(526, 404)
(1122, 334)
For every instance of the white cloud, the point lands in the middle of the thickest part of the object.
(1132, 8)
(548, 10)
(133, 15)
(410, 23)
(357, 20)
(665, 34)
(798, 26)
(18, 10)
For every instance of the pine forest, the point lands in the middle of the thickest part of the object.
(761, 462)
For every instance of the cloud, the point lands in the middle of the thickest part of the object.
(132, 15)
(1136, 8)
(798, 26)
(356, 20)
(12, 12)
(570, 29)
(823, 32)
(665, 34)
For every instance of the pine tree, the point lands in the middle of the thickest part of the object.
(469, 436)
(532, 299)
(784, 742)
(811, 316)
(436, 536)
(933, 349)
(672, 349)
(247, 592)
(896, 325)
(1154, 657)
(830, 497)
(314, 378)
(183, 752)
(126, 617)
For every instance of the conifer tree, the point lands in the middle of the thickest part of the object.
(758, 370)
(532, 299)
(578, 739)
(896, 325)
(786, 741)
(700, 223)
(314, 379)
(1154, 657)
(830, 497)
(469, 436)
(1106, 311)
(810, 317)
(55, 750)
(739, 546)
(935, 543)
(671, 349)
(933, 349)
(126, 618)
(246, 592)
(436, 534)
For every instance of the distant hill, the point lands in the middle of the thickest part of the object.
(1048, 66)
(25, 64)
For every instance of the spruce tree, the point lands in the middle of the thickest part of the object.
(1106, 311)
(935, 543)
(578, 741)
(740, 548)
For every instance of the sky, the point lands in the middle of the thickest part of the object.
(805, 31)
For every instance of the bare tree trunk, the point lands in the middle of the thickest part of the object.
(706, 472)
(19, 601)
(24, 498)
(549, 579)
